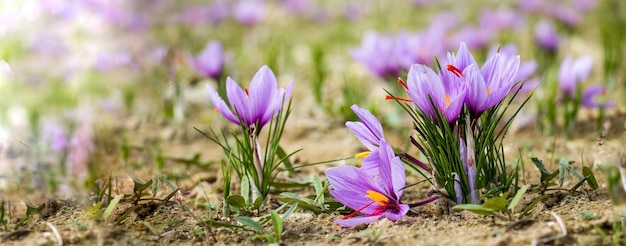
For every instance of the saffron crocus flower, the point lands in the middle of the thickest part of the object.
(546, 36)
(369, 131)
(210, 61)
(379, 53)
(590, 97)
(447, 95)
(249, 12)
(256, 106)
(488, 87)
(525, 71)
(572, 73)
(375, 195)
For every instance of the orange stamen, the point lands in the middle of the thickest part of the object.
(447, 100)
(402, 83)
(456, 71)
(388, 97)
(381, 199)
(216, 110)
(247, 93)
(488, 90)
(362, 155)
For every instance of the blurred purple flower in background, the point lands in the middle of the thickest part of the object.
(529, 5)
(590, 97)
(572, 73)
(249, 12)
(209, 62)
(381, 54)
(255, 106)
(298, 6)
(376, 193)
(546, 36)
(501, 19)
(474, 37)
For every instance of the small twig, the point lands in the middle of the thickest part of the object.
(56, 233)
(555, 237)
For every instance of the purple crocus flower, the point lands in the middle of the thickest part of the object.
(249, 12)
(501, 19)
(546, 36)
(380, 54)
(525, 71)
(210, 60)
(255, 106)
(446, 89)
(487, 87)
(369, 131)
(590, 97)
(375, 195)
(423, 83)
(573, 72)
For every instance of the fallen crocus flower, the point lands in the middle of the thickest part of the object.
(374, 195)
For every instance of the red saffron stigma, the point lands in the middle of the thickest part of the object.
(216, 110)
(246, 90)
(402, 83)
(456, 71)
(357, 211)
(388, 97)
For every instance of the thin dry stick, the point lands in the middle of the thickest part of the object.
(56, 233)
(555, 237)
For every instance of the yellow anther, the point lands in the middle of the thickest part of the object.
(377, 197)
(362, 155)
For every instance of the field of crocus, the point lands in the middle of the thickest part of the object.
(304, 122)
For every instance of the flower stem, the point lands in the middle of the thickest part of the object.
(424, 202)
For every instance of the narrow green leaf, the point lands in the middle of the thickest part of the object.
(109, 209)
(563, 170)
(518, 197)
(580, 183)
(280, 152)
(236, 201)
(220, 224)
(247, 221)
(157, 183)
(475, 208)
(289, 211)
(495, 203)
(591, 179)
(277, 224)
(302, 204)
(545, 174)
(531, 206)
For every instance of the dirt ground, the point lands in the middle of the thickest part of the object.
(585, 215)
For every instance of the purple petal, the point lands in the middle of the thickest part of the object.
(262, 94)
(386, 154)
(423, 82)
(369, 131)
(395, 215)
(221, 106)
(238, 101)
(350, 186)
(463, 57)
